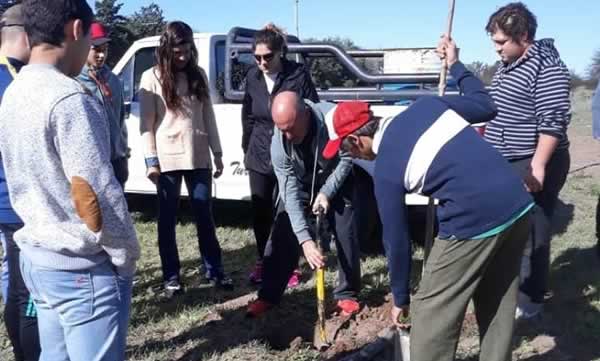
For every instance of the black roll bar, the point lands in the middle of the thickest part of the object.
(239, 40)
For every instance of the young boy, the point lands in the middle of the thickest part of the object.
(78, 245)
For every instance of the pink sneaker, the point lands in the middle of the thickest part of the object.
(256, 274)
(294, 280)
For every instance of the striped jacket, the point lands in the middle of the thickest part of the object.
(532, 98)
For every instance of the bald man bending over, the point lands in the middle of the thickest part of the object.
(307, 182)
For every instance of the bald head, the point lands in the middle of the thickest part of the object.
(14, 43)
(290, 115)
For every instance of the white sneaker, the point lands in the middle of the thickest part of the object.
(527, 309)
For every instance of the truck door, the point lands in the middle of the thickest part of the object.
(130, 76)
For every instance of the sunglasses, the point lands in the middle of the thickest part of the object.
(267, 57)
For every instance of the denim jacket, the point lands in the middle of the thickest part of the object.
(114, 107)
(298, 181)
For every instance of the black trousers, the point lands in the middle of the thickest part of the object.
(535, 284)
(19, 315)
(263, 189)
(283, 251)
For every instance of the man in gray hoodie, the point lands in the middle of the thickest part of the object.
(531, 92)
(78, 245)
(307, 182)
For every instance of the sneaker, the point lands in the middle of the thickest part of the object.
(348, 307)
(223, 282)
(173, 288)
(294, 280)
(256, 274)
(258, 308)
(526, 309)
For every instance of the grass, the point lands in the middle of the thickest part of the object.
(205, 324)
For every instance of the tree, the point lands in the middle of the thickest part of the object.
(328, 72)
(594, 68)
(148, 21)
(485, 72)
(107, 12)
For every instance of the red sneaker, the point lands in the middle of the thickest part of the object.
(256, 274)
(294, 280)
(258, 308)
(348, 307)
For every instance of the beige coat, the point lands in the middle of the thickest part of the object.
(180, 140)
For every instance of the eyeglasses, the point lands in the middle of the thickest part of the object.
(266, 57)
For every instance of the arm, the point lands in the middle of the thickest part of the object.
(475, 104)
(336, 179)
(124, 134)
(148, 113)
(247, 117)
(392, 209)
(289, 187)
(553, 112)
(552, 102)
(208, 114)
(82, 143)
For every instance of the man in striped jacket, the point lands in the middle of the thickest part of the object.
(531, 92)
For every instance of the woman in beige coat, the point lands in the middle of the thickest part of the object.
(179, 131)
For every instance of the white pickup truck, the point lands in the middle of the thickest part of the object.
(220, 54)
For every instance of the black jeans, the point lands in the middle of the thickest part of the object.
(282, 251)
(199, 185)
(535, 284)
(20, 314)
(263, 188)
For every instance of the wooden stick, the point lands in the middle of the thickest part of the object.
(444, 71)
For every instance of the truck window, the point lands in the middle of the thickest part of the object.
(240, 67)
(132, 72)
(144, 60)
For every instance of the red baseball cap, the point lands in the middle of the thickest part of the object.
(347, 118)
(99, 34)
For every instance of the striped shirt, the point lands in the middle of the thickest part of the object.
(532, 98)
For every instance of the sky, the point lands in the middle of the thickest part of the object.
(574, 24)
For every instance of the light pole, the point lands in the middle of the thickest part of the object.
(296, 15)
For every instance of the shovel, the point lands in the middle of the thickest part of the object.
(320, 339)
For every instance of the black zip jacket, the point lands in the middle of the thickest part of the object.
(256, 110)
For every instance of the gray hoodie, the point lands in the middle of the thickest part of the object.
(296, 178)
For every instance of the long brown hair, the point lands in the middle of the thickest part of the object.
(179, 33)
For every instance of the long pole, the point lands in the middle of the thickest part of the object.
(444, 71)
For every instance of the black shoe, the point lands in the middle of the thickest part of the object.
(225, 283)
(173, 288)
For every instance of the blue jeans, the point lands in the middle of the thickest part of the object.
(199, 184)
(83, 314)
(4, 275)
